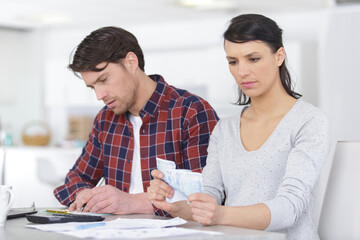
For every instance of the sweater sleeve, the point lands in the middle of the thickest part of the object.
(311, 147)
(212, 177)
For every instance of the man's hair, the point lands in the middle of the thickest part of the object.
(107, 44)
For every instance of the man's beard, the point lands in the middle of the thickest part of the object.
(125, 105)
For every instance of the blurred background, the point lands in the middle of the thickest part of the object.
(182, 40)
(42, 103)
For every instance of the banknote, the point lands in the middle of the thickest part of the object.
(183, 181)
(165, 166)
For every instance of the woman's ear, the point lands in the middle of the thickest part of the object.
(280, 56)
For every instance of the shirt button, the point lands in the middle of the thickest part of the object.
(125, 189)
(143, 131)
(128, 161)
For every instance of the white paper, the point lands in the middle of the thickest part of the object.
(98, 233)
(123, 228)
(119, 223)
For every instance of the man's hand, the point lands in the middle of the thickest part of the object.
(109, 199)
(204, 208)
(158, 191)
(82, 198)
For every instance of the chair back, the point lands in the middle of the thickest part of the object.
(340, 213)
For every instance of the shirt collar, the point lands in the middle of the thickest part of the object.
(156, 99)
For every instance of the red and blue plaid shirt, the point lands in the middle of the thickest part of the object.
(176, 126)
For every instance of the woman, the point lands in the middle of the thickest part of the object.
(264, 162)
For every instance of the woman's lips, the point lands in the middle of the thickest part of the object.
(247, 84)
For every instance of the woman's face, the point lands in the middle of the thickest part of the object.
(254, 66)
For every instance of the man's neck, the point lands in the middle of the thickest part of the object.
(145, 89)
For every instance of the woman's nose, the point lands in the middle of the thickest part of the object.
(243, 69)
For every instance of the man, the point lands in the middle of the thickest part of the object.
(144, 118)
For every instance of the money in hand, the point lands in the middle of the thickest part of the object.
(183, 181)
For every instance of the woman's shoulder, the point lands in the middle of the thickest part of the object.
(307, 114)
(230, 119)
(228, 123)
(305, 110)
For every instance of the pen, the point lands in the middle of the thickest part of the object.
(90, 225)
(100, 182)
(58, 211)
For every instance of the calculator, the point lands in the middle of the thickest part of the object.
(62, 218)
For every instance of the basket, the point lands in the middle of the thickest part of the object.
(36, 133)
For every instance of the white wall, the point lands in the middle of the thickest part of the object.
(329, 66)
(322, 56)
(339, 71)
(21, 80)
(41, 171)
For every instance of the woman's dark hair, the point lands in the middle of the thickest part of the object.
(107, 44)
(255, 27)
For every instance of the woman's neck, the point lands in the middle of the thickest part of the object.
(273, 104)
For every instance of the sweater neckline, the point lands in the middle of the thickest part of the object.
(278, 126)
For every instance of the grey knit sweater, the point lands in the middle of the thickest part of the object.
(282, 173)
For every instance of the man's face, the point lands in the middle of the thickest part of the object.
(114, 85)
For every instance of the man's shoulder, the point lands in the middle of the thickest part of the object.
(189, 105)
(186, 98)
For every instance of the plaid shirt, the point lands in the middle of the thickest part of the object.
(176, 126)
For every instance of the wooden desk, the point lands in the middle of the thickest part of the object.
(15, 230)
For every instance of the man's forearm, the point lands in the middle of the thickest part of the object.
(141, 204)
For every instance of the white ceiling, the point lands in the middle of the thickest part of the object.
(74, 13)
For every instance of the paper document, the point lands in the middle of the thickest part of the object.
(143, 233)
(122, 228)
(119, 223)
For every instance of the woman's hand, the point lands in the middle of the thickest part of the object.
(204, 208)
(158, 191)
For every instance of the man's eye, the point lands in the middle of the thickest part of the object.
(232, 62)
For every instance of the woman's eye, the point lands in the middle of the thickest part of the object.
(254, 59)
(232, 62)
